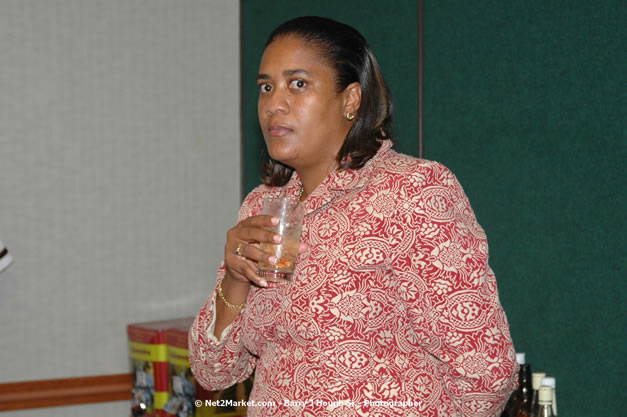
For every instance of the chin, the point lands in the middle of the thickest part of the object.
(280, 151)
(285, 160)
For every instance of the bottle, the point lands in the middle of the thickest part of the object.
(549, 381)
(536, 382)
(522, 402)
(545, 401)
(520, 360)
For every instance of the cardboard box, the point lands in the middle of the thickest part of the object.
(149, 365)
(163, 383)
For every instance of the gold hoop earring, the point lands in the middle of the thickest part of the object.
(350, 116)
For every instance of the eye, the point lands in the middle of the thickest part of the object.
(264, 88)
(298, 84)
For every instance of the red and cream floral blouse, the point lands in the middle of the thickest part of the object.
(393, 310)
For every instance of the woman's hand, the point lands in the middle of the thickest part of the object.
(241, 254)
(240, 260)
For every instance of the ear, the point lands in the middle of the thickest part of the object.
(352, 98)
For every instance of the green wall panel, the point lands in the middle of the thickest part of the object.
(526, 103)
(391, 30)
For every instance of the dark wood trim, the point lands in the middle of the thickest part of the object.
(65, 391)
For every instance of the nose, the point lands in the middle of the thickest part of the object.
(276, 101)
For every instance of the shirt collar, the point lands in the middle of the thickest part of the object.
(337, 182)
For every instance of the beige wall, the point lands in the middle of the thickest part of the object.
(119, 175)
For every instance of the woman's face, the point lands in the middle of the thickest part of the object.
(302, 116)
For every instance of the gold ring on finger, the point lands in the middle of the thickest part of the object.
(238, 249)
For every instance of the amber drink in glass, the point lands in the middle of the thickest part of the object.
(290, 214)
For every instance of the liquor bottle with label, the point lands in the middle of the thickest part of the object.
(520, 360)
(521, 405)
(545, 401)
(536, 382)
(549, 381)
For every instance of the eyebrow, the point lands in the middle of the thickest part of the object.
(286, 73)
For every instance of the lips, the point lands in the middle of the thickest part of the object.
(279, 130)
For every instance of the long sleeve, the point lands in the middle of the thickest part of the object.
(449, 292)
(218, 364)
(221, 364)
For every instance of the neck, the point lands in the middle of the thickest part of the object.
(312, 178)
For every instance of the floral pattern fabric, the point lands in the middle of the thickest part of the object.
(393, 309)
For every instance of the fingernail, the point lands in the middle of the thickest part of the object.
(263, 283)
(275, 220)
(273, 260)
(277, 238)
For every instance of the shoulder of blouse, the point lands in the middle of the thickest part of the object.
(253, 202)
(411, 174)
(256, 193)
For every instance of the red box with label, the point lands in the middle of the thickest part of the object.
(148, 355)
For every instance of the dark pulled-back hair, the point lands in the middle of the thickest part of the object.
(348, 53)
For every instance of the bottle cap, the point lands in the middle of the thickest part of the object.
(520, 358)
(536, 379)
(545, 395)
(548, 381)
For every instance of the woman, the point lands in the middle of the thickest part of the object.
(393, 309)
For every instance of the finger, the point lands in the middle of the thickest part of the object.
(260, 220)
(239, 249)
(253, 253)
(252, 274)
(253, 229)
(255, 234)
(246, 270)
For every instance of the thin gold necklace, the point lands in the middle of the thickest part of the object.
(300, 193)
